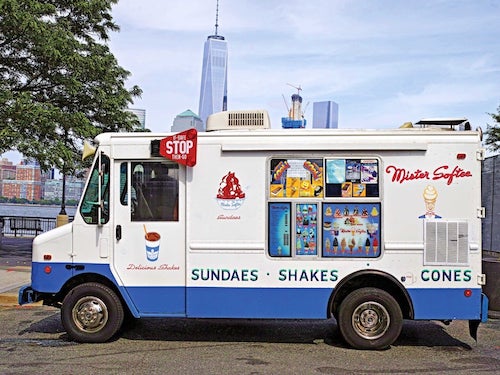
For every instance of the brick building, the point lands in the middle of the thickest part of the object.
(7, 173)
(21, 181)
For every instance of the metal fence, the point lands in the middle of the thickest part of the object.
(26, 226)
(490, 191)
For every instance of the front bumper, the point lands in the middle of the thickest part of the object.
(27, 295)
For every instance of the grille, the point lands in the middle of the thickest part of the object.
(246, 119)
(446, 242)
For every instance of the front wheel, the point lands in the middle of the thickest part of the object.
(370, 318)
(92, 312)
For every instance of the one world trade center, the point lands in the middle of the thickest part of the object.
(213, 92)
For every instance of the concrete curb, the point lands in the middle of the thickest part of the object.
(11, 279)
(9, 299)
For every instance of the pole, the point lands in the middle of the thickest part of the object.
(62, 218)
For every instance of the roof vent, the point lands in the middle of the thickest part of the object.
(231, 120)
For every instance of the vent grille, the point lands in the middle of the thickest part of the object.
(246, 119)
(446, 242)
(232, 120)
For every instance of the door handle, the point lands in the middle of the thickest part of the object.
(118, 232)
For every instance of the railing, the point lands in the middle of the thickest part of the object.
(26, 226)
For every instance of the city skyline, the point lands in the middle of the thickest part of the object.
(25, 180)
(385, 62)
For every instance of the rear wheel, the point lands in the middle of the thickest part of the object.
(370, 318)
(92, 312)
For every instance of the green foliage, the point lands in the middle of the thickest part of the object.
(59, 82)
(493, 132)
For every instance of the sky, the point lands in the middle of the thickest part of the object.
(385, 62)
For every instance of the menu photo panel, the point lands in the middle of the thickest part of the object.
(296, 178)
(351, 230)
(306, 229)
(356, 178)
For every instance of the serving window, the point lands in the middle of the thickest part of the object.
(296, 178)
(348, 178)
(324, 208)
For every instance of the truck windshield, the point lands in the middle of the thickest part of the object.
(91, 201)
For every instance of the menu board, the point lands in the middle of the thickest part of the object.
(306, 229)
(279, 229)
(351, 229)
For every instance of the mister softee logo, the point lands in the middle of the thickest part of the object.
(230, 195)
(444, 172)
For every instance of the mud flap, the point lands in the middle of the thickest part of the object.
(473, 326)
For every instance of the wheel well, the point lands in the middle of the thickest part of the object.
(85, 278)
(374, 279)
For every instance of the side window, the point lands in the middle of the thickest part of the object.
(154, 191)
(98, 182)
(324, 208)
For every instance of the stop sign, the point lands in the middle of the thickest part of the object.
(180, 147)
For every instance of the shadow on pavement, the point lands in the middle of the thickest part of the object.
(427, 334)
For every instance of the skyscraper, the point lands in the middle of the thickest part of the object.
(325, 115)
(213, 92)
(141, 116)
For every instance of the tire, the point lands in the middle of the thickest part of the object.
(370, 318)
(92, 312)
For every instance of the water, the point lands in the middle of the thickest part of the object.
(7, 209)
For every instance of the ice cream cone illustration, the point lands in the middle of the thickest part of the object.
(430, 195)
(367, 246)
(336, 228)
(327, 245)
(352, 244)
(375, 245)
(343, 245)
(335, 245)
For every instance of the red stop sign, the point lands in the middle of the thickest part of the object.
(180, 147)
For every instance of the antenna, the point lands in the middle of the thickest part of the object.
(217, 17)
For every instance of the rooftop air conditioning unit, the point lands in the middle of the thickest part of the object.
(233, 120)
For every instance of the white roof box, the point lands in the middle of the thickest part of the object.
(231, 120)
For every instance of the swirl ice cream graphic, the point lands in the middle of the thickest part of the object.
(430, 195)
(230, 195)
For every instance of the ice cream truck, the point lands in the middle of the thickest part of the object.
(367, 227)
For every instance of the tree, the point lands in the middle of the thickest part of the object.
(493, 132)
(59, 82)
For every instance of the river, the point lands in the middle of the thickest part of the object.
(33, 210)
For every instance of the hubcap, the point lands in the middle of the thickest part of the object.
(371, 320)
(90, 314)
